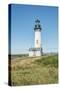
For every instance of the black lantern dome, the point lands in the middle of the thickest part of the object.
(37, 25)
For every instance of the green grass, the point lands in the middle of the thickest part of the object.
(32, 71)
(49, 60)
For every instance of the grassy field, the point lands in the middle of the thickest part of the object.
(34, 70)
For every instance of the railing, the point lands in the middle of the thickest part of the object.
(26, 51)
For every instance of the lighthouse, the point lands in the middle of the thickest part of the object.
(37, 30)
(37, 50)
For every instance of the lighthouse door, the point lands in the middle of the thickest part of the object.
(34, 54)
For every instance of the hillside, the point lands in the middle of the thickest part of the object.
(34, 70)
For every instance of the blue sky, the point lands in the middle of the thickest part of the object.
(22, 27)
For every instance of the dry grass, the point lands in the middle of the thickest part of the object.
(37, 70)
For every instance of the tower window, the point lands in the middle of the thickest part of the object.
(37, 41)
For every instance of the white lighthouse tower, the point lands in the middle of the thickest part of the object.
(37, 30)
(37, 50)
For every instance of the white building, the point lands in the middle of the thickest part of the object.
(37, 50)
